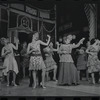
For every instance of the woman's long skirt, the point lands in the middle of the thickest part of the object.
(68, 74)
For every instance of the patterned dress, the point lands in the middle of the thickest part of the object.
(67, 72)
(25, 59)
(82, 62)
(36, 60)
(49, 62)
(93, 61)
(9, 61)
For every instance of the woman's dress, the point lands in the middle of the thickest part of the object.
(49, 61)
(36, 60)
(9, 61)
(25, 58)
(93, 61)
(68, 74)
(82, 62)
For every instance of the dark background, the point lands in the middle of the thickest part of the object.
(66, 12)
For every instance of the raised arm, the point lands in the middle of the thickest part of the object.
(43, 43)
(57, 47)
(79, 43)
(88, 50)
(28, 49)
(14, 47)
(97, 42)
(2, 52)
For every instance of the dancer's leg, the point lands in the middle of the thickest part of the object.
(34, 78)
(93, 79)
(47, 75)
(23, 71)
(54, 72)
(87, 75)
(8, 74)
(79, 74)
(14, 78)
(31, 78)
(43, 77)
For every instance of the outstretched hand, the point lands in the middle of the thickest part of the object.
(17, 41)
(81, 41)
(48, 36)
(57, 43)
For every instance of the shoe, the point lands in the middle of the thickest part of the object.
(42, 85)
(7, 84)
(34, 87)
(94, 83)
(55, 80)
(15, 85)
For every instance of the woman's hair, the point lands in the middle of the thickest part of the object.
(67, 34)
(64, 39)
(31, 35)
(24, 43)
(92, 41)
(83, 48)
(73, 37)
(2, 40)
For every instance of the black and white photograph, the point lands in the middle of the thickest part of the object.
(49, 49)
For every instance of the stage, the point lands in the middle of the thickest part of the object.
(52, 89)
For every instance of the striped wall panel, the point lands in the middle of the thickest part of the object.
(90, 10)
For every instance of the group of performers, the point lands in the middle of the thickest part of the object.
(68, 74)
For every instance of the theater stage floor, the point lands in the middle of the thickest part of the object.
(52, 89)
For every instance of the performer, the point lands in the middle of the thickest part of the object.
(93, 61)
(25, 58)
(49, 61)
(36, 60)
(82, 62)
(9, 61)
(68, 74)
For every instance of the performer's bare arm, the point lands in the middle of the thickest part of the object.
(15, 47)
(79, 43)
(57, 47)
(43, 43)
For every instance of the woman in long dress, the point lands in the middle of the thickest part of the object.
(93, 61)
(9, 61)
(68, 74)
(49, 61)
(36, 60)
